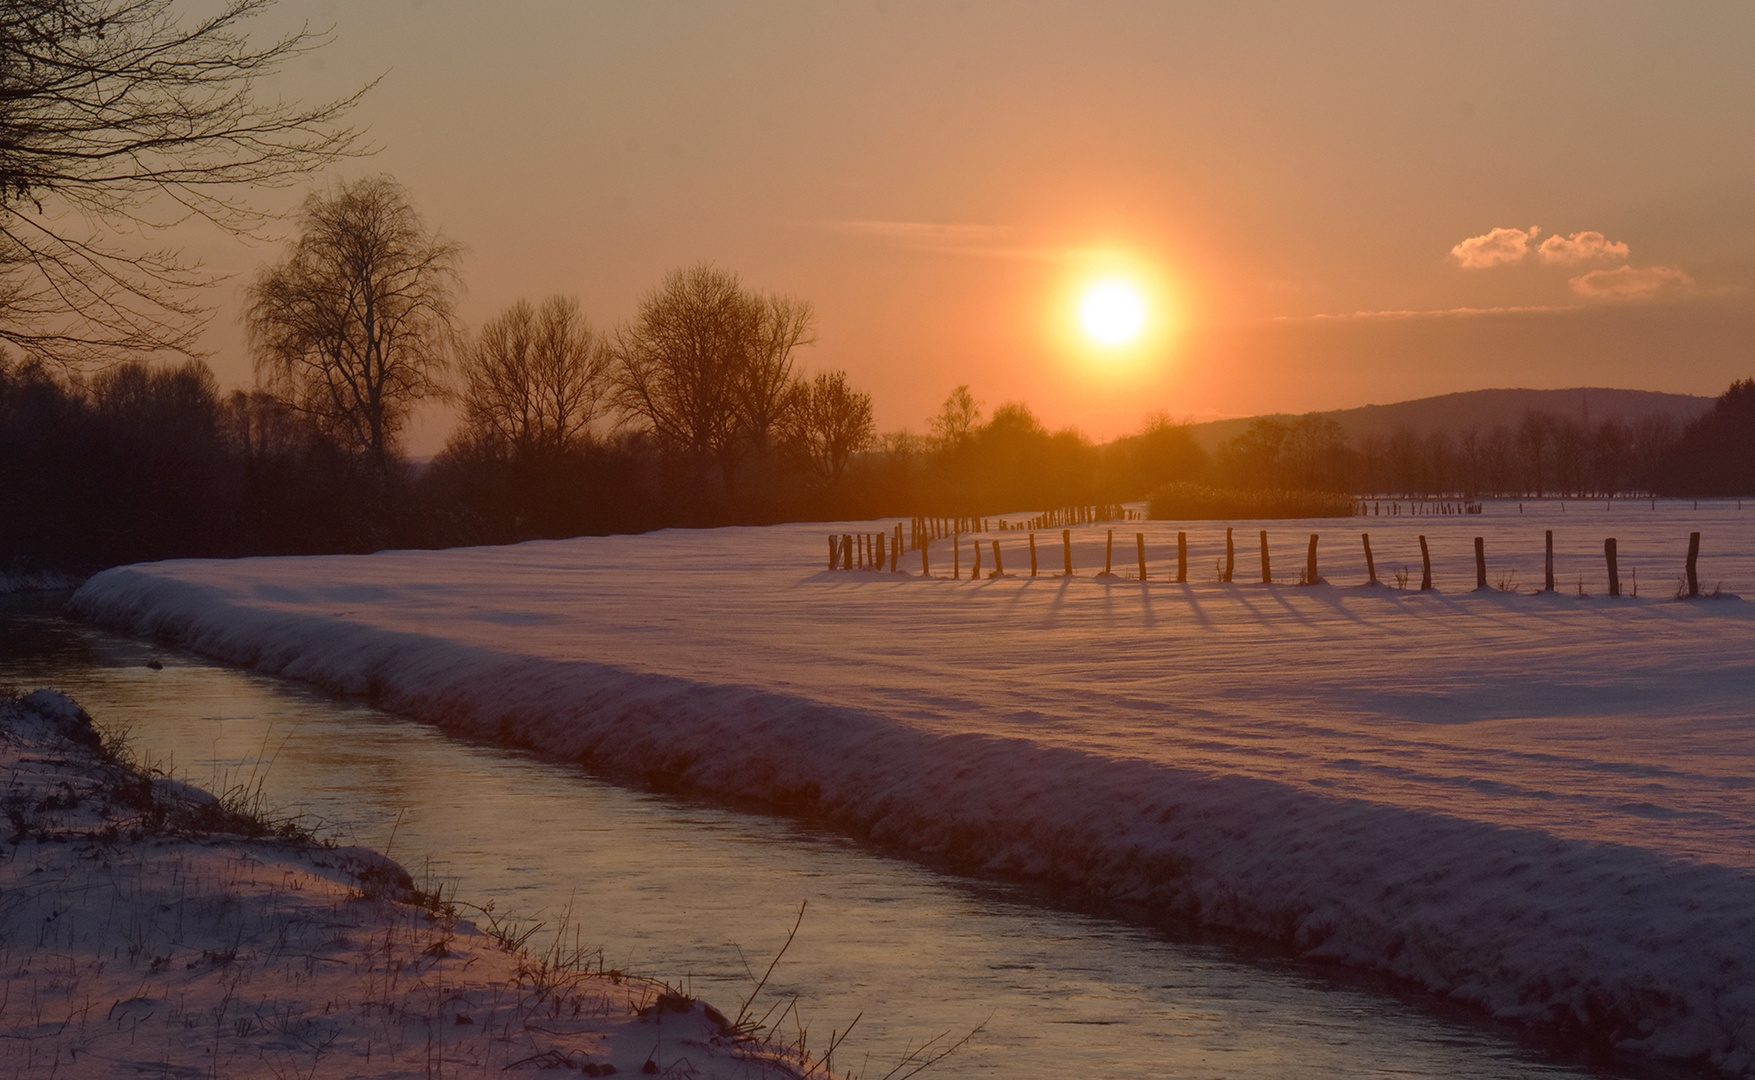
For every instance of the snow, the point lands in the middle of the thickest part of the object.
(139, 936)
(1538, 804)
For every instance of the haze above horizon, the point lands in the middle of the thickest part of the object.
(1326, 206)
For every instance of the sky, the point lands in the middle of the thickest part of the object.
(1324, 205)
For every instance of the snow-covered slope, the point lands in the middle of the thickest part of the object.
(1540, 804)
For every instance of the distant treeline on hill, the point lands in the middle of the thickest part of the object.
(1540, 453)
(144, 462)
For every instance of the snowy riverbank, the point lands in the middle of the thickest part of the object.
(146, 927)
(1536, 804)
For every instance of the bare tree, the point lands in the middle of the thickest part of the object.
(833, 422)
(353, 327)
(114, 113)
(768, 390)
(534, 381)
(957, 418)
(707, 366)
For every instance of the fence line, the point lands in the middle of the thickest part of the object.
(877, 550)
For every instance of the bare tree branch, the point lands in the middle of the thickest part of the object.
(114, 115)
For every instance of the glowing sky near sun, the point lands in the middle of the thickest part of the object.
(1324, 205)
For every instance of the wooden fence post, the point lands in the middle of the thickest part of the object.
(1480, 563)
(1310, 575)
(1230, 555)
(896, 548)
(877, 562)
(1370, 563)
(1614, 566)
(1548, 563)
(1425, 567)
(1139, 540)
(834, 551)
(1182, 557)
(998, 563)
(956, 556)
(975, 574)
(846, 551)
(1066, 547)
(1693, 560)
(1267, 575)
(1109, 554)
(1032, 554)
(925, 566)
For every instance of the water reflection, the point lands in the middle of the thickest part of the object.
(700, 894)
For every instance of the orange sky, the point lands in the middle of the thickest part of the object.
(1313, 188)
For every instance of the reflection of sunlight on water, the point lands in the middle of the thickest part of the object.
(675, 889)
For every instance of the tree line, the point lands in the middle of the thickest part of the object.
(120, 118)
(1539, 454)
(146, 461)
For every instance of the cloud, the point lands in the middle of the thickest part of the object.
(1580, 247)
(1631, 283)
(928, 234)
(983, 241)
(1494, 248)
(1438, 313)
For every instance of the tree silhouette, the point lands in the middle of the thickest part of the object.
(353, 327)
(957, 418)
(533, 382)
(706, 366)
(833, 422)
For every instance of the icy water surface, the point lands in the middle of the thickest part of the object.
(689, 893)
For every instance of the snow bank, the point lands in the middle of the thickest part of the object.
(1538, 805)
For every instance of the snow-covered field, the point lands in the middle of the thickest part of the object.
(142, 935)
(1539, 804)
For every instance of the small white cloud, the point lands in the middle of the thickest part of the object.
(1580, 247)
(1631, 283)
(1494, 248)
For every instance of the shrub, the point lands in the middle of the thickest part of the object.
(1196, 502)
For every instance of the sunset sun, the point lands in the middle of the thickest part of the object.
(1113, 312)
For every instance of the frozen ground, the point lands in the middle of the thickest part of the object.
(1540, 804)
(141, 934)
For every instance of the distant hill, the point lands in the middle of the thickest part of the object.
(1483, 409)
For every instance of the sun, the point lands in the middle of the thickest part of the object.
(1113, 312)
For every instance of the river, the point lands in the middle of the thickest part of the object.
(703, 895)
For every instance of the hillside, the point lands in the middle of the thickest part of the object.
(1484, 409)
